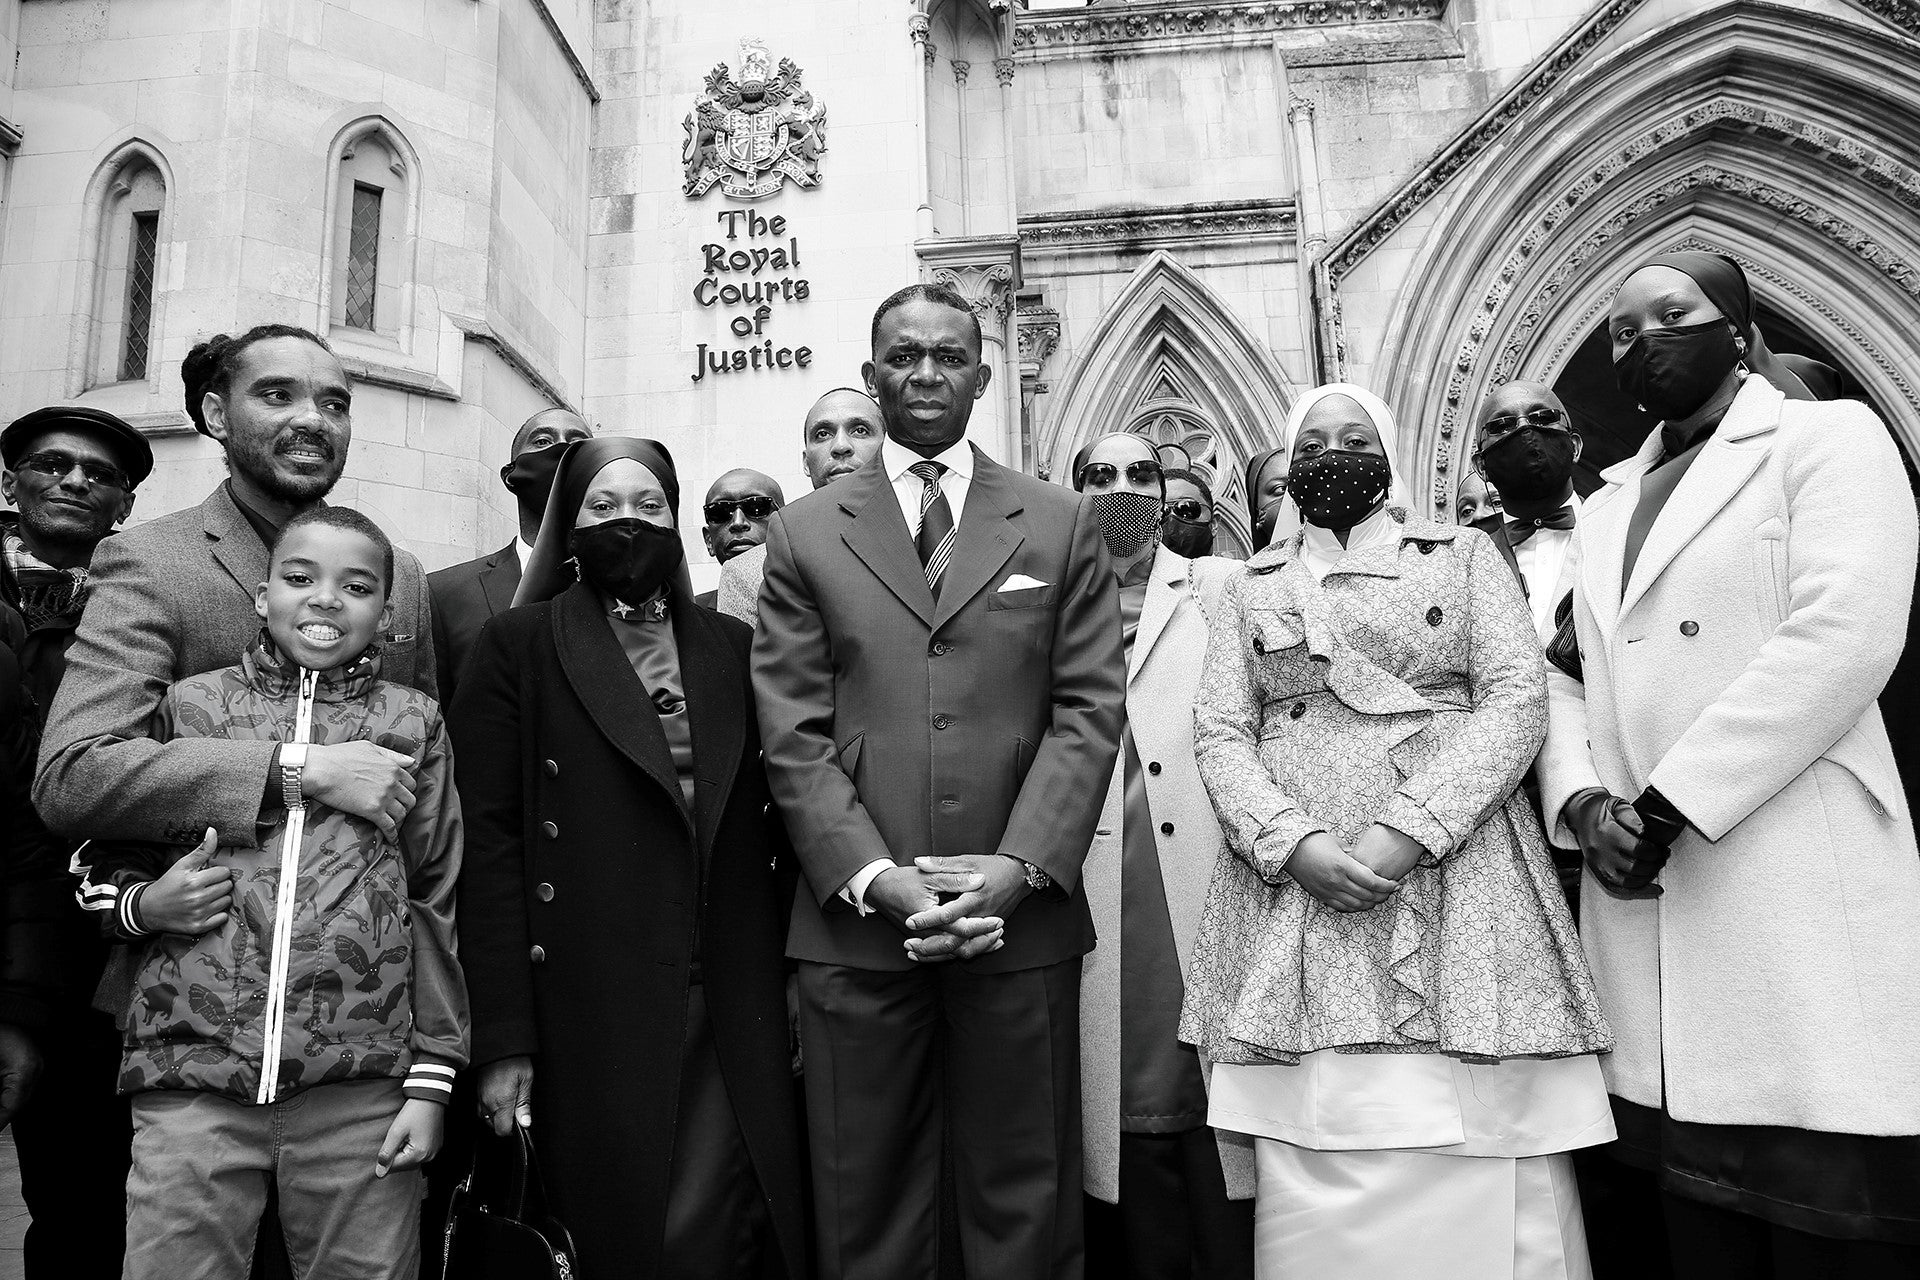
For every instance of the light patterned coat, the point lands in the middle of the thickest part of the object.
(1406, 689)
(1774, 982)
(1163, 678)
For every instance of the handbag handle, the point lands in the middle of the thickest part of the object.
(525, 1187)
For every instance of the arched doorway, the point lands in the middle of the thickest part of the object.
(1169, 360)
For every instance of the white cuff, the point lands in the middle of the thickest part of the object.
(855, 890)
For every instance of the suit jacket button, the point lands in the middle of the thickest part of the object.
(551, 830)
(942, 721)
(543, 891)
(1434, 616)
(1166, 828)
(552, 767)
(1689, 628)
(1153, 767)
(537, 954)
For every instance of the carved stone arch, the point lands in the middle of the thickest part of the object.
(1782, 136)
(1169, 350)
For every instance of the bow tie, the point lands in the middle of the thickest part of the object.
(1518, 531)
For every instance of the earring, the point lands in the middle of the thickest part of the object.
(1741, 371)
(576, 569)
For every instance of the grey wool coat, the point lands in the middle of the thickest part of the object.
(174, 598)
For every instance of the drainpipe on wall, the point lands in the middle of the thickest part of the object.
(1311, 218)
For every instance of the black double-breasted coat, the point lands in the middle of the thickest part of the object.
(585, 886)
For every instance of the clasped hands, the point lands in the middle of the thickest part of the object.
(1613, 842)
(1359, 880)
(980, 891)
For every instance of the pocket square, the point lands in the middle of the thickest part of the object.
(1020, 582)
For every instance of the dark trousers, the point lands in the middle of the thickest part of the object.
(75, 1142)
(1624, 1212)
(890, 1055)
(1711, 1243)
(717, 1222)
(1174, 1221)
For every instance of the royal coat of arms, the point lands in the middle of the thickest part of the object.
(750, 135)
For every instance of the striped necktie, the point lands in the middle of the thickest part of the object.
(935, 540)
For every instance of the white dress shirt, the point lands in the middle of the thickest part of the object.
(898, 460)
(1540, 559)
(524, 550)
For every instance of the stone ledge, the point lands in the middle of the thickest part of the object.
(376, 374)
(1140, 28)
(488, 335)
(1141, 225)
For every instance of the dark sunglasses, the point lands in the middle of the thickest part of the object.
(1102, 474)
(58, 466)
(1191, 510)
(720, 511)
(1532, 418)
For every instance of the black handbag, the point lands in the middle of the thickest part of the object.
(499, 1228)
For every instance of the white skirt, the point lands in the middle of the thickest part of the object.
(1412, 1215)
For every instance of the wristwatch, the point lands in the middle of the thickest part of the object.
(293, 761)
(1037, 880)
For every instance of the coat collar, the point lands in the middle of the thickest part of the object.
(717, 710)
(499, 577)
(986, 540)
(1381, 561)
(603, 679)
(1166, 584)
(236, 546)
(878, 535)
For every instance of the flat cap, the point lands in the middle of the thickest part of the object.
(126, 443)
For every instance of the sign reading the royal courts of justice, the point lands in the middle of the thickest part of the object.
(750, 137)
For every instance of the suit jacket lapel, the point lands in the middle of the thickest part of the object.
(878, 535)
(499, 578)
(235, 545)
(1725, 464)
(1156, 610)
(600, 674)
(985, 540)
(717, 709)
(1496, 530)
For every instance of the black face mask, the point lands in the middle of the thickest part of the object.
(629, 559)
(1672, 372)
(1189, 538)
(1337, 489)
(529, 477)
(1530, 464)
(1128, 520)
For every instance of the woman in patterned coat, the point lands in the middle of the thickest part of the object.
(1386, 974)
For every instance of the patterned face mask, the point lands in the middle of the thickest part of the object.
(1337, 488)
(1128, 520)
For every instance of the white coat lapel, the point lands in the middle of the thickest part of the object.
(1164, 590)
(1602, 534)
(1726, 463)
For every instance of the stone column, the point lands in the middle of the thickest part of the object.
(985, 270)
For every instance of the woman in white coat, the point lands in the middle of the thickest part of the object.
(1168, 1199)
(1752, 905)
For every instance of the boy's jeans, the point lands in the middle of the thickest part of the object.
(201, 1165)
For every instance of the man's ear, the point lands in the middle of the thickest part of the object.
(866, 376)
(506, 471)
(126, 509)
(1578, 444)
(213, 407)
(6, 486)
(981, 380)
(260, 601)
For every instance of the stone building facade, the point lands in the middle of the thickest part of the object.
(677, 217)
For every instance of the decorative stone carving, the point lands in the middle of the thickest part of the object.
(1137, 227)
(1039, 330)
(960, 69)
(987, 289)
(1228, 17)
(751, 136)
(1003, 69)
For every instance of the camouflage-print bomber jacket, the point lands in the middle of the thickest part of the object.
(367, 981)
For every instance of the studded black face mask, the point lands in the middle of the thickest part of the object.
(1128, 520)
(1337, 488)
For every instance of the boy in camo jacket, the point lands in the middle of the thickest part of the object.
(293, 1012)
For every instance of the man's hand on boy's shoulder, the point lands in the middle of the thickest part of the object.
(413, 1138)
(191, 897)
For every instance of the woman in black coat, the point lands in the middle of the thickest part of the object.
(623, 902)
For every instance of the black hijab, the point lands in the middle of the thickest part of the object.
(550, 570)
(1725, 284)
(1255, 465)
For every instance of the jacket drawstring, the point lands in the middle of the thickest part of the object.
(285, 902)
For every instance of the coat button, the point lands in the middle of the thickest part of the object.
(1297, 710)
(766, 810)
(940, 649)
(543, 891)
(1166, 828)
(537, 954)
(551, 830)
(1689, 628)
(942, 721)
(1434, 616)
(552, 767)
(1153, 768)
(1426, 548)
(1259, 645)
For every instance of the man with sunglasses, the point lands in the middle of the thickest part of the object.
(1186, 527)
(71, 471)
(1526, 448)
(737, 509)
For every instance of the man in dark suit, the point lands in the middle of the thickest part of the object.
(466, 595)
(941, 686)
(1525, 448)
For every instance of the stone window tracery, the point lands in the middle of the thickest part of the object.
(126, 280)
(369, 215)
